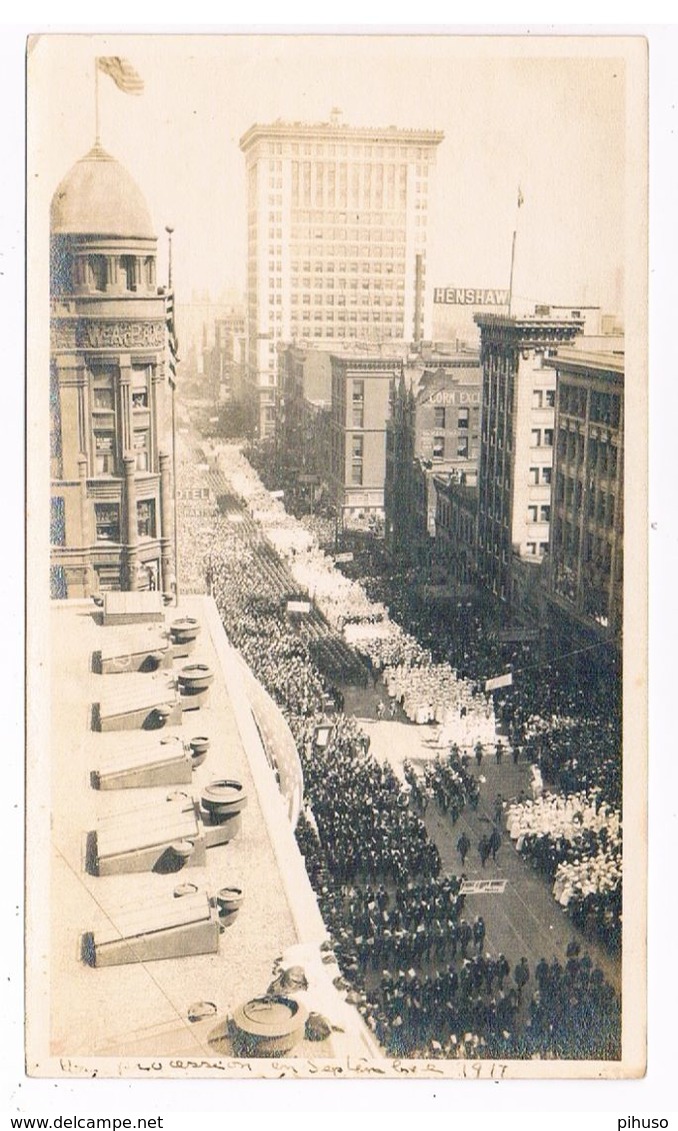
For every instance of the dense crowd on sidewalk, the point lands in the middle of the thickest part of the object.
(575, 839)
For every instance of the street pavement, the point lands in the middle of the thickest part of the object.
(524, 920)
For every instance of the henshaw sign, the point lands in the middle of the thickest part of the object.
(470, 296)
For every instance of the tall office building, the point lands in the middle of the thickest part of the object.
(337, 226)
(111, 501)
(516, 447)
(586, 565)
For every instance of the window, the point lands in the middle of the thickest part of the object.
(104, 453)
(531, 514)
(57, 521)
(107, 522)
(537, 398)
(146, 518)
(108, 578)
(357, 461)
(438, 447)
(532, 548)
(358, 404)
(545, 513)
(533, 476)
(139, 387)
(462, 447)
(438, 417)
(463, 418)
(546, 473)
(548, 437)
(104, 400)
(98, 267)
(550, 398)
(141, 449)
(543, 548)
(129, 266)
(536, 438)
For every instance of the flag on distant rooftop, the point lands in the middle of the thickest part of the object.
(122, 72)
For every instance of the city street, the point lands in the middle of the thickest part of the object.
(523, 920)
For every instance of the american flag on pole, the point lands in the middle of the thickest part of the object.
(172, 340)
(122, 72)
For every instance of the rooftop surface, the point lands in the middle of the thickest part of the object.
(142, 1009)
(339, 131)
(588, 361)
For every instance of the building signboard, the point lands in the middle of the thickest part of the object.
(470, 296)
(451, 397)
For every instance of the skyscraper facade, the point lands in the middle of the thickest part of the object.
(337, 229)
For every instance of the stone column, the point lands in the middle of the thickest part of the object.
(166, 521)
(131, 527)
(86, 538)
(125, 427)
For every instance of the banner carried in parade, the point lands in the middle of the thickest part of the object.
(499, 681)
(298, 606)
(483, 887)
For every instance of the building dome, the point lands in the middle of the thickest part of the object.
(99, 197)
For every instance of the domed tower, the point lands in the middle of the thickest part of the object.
(111, 504)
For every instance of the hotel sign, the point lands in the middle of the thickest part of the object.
(470, 296)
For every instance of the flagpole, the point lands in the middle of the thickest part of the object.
(173, 387)
(513, 248)
(513, 259)
(96, 102)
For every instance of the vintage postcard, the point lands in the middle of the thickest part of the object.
(337, 434)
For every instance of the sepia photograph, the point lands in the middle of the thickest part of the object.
(337, 577)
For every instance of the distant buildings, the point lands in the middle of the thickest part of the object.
(456, 531)
(111, 497)
(434, 428)
(361, 394)
(223, 355)
(585, 578)
(516, 448)
(337, 230)
(304, 422)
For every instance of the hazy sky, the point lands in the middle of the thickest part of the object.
(547, 114)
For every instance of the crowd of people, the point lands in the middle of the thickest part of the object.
(445, 780)
(576, 840)
(417, 969)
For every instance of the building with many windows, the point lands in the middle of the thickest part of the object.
(585, 580)
(337, 230)
(111, 498)
(456, 530)
(361, 398)
(434, 428)
(516, 448)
